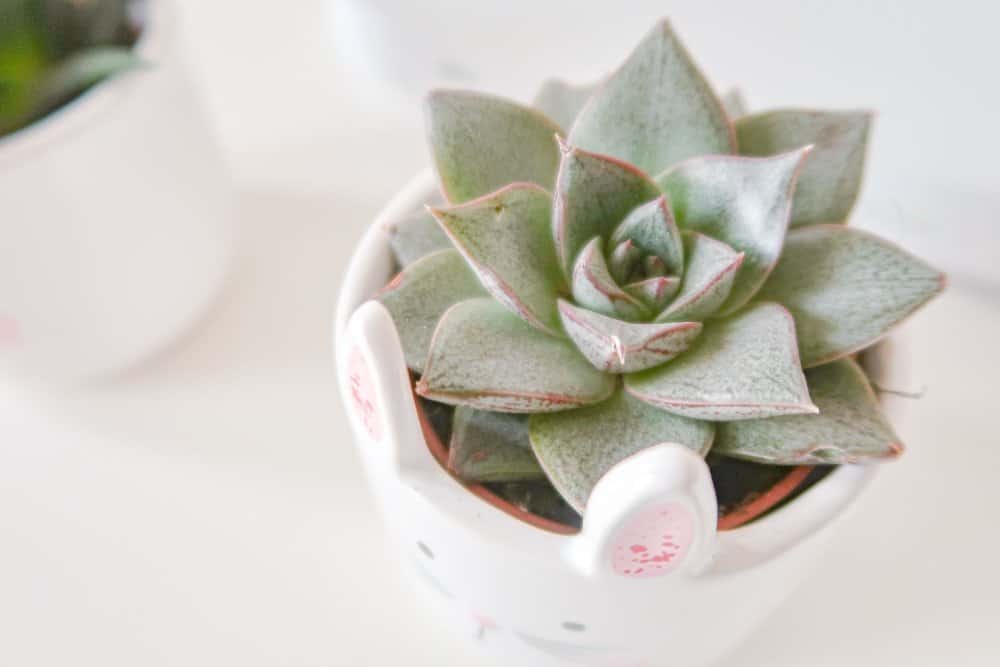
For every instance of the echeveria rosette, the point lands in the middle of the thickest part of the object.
(656, 273)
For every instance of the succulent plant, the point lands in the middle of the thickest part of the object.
(631, 263)
(53, 50)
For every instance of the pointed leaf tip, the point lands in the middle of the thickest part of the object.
(481, 143)
(850, 426)
(651, 226)
(564, 147)
(593, 195)
(745, 366)
(505, 237)
(744, 202)
(485, 357)
(832, 178)
(846, 289)
(615, 346)
(420, 294)
(655, 292)
(595, 288)
(656, 109)
(735, 103)
(416, 236)
(708, 279)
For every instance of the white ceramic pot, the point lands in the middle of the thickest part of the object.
(541, 598)
(116, 228)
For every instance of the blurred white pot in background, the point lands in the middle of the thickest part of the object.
(116, 225)
(503, 47)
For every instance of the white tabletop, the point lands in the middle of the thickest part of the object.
(208, 509)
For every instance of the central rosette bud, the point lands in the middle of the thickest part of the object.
(630, 265)
(623, 285)
(636, 272)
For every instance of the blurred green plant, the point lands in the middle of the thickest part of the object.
(51, 51)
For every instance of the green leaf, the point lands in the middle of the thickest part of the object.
(484, 357)
(420, 294)
(562, 101)
(849, 428)
(23, 61)
(741, 201)
(831, 179)
(74, 25)
(439, 416)
(656, 110)
(653, 266)
(614, 346)
(491, 447)
(415, 236)
(79, 72)
(744, 367)
(655, 293)
(846, 289)
(481, 143)
(538, 498)
(594, 288)
(735, 104)
(625, 258)
(708, 279)
(593, 194)
(506, 238)
(62, 82)
(652, 228)
(577, 448)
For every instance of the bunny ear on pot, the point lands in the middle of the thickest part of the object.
(651, 515)
(377, 385)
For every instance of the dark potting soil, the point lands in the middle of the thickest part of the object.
(736, 482)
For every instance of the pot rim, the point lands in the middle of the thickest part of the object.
(748, 544)
(86, 109)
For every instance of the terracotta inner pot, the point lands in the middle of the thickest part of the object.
(752, 506)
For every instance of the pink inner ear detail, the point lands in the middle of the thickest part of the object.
(363, 395)
(654, 541)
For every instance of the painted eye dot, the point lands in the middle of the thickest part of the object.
(573, 626)
(425, 550)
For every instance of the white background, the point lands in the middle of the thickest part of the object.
(206, 508)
